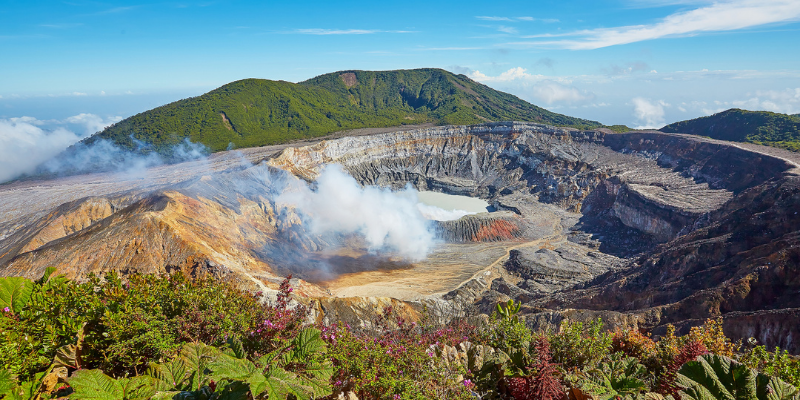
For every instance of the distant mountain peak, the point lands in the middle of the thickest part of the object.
(256, 112)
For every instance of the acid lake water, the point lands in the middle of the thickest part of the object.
(447, 207)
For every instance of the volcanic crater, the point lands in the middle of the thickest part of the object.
(641, 228)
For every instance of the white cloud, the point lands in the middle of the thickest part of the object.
(785, 101)
(782, 101)
(26, 142)
(536, 88)
(516, 19)
(23, 146)
(93, 123)
(450, 48)
(716, 17)
(488, 18)
(507, 29)
(629, 68)
(317, 31)
(553, 92)
(510, 75)
(648, 113)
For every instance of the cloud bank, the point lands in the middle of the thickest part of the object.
(536, 88)
(23, 146)
(649, 114)
(33, 146)
(26, 142)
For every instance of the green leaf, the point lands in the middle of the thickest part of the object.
(93, 384)
(717, 377)
(228, 368)
(66, 356)
(305, 345)
(204, 393)
(170, 376)
(196, 357)
(277, 386)
(137, 388)
(771, 388)
(235, 348)
(166, 395)
(7, 382)
(234, 391)
(47, 272)
(317, 377)
(15, 293)
(232, 368)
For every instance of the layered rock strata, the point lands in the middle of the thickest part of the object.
(645, 228)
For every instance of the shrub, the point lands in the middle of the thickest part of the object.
(633, 343)
(579, 345)
(395, 363)
(710, 334)
(778, 363)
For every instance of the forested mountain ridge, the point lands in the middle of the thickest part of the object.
(736, 125)
(256, 112)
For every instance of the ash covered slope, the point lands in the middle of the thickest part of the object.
(257, 112)
(574, 204)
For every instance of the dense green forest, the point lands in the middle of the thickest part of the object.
(257, 112)
(760, 127)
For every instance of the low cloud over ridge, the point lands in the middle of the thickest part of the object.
(26, 142)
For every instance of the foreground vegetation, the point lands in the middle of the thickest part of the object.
(179, 338)
(258, 112)
(759, 127)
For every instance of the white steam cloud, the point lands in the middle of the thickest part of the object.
(388, 220)
(104, 155)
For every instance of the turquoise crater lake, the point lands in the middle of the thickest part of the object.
(447, 207)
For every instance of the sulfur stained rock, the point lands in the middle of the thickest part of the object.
(646, 227)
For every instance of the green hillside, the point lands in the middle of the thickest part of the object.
(256, 112)
(760, 127)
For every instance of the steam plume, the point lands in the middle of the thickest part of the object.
(103, 155)
(387, 220)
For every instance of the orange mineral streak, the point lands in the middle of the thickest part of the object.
(496, 230)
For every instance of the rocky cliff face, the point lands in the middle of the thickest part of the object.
(645, 228)
(739, 262)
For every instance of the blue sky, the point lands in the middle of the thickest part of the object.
(641, 63)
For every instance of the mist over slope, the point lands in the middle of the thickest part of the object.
(257, 112)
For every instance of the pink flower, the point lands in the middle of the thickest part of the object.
(6, 309)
